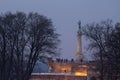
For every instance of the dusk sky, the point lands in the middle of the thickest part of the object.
(65, 15)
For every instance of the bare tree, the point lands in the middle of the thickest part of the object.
(23, 39)
(100, 35)
(113, 53)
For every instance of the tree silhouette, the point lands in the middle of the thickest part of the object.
(23, 39)
(104, 41)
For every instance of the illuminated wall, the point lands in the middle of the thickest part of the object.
(80, 70)
(62, 68)
(72, 68)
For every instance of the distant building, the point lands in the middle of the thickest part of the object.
(62, 69)
(78, 69)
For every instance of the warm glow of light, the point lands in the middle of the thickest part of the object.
(66, 69)
(81, 73)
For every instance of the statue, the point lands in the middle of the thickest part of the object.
(79, 24)
(79, 55)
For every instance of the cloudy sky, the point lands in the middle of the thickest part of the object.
(65, 14)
